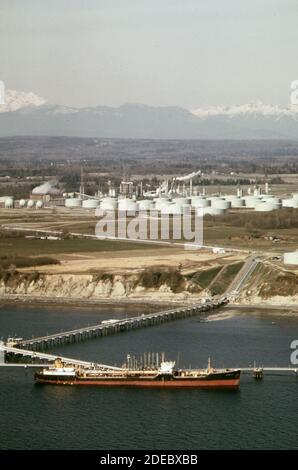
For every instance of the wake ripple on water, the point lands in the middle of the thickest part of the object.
(220, 316)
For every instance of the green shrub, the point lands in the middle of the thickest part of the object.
(204, 278)
(25, 262)
(153, 279)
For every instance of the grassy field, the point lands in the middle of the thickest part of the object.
(204, 278)
(225, 278)
(9, 261)
(239, 229)
(24, 247)
(240, 237)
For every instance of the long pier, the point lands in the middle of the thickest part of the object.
(140, 321)
(256, 372)
(50, 358)
(117, 326)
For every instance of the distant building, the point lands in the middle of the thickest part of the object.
(126, 188)
(291, 258)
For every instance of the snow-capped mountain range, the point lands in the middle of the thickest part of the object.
(15, 100)
(251, 109)
(28, 114)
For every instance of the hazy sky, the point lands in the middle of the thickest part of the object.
(190, 53)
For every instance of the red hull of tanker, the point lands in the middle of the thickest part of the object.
(218, 384)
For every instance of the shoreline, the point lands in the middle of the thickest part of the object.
(150, 305)
(275, 310)
(15, 299)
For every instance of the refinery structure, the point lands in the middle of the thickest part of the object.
(170, 197)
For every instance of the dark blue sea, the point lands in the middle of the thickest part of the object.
(261, 415)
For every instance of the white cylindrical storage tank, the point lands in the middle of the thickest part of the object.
(8, 203)
(161, 198)
(123, 204)
(275, 205)
(213, 198)
(272, 200)
(90, 203)
(160, 202)
(181, 201)
(109, 204)
(161, 207)
(291, 258)
(237, 202)
(30, 203)
(200, 202)
(265, 206)
(213, 211)
(64, 195)
(145, 205)
(290, 203)
(220, 204)
(39, 204)
(22, 202)
(72, 203)
(172, 209)
(127, 205)
(287, 202)
(133, 206)
(251, 201)
(275, 202)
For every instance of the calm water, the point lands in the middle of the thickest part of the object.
(260, 415)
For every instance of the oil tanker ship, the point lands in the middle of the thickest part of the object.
(165, 375)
